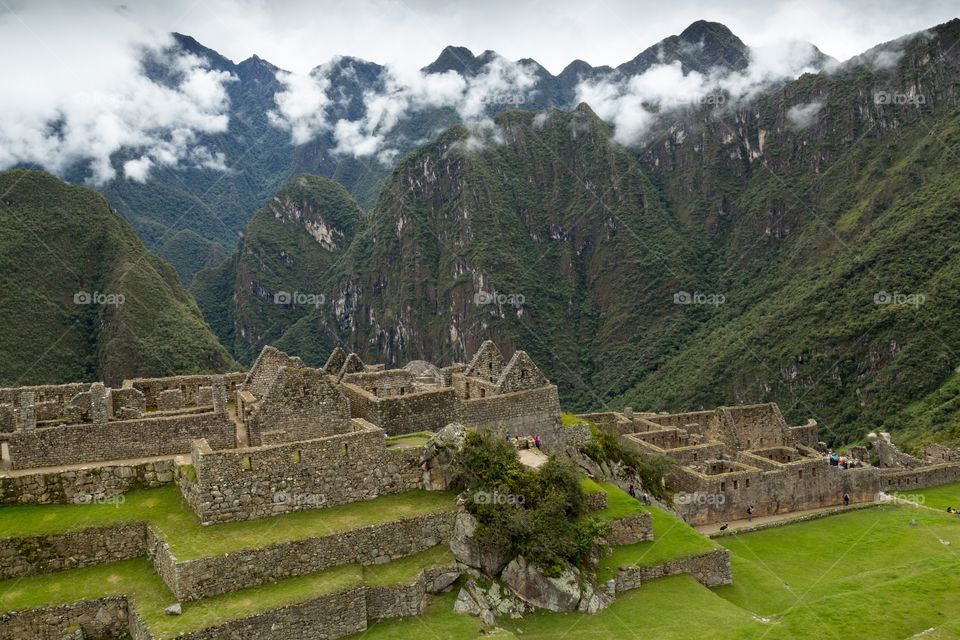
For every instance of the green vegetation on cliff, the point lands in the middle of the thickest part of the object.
(81, 298)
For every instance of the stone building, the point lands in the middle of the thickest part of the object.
(732, 458)
(293, 438)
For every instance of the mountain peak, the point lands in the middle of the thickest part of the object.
(700, 47)
(459, 59)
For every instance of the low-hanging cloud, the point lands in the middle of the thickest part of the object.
(302, 106)
(801, 116)
(75, 103)
(633, 104)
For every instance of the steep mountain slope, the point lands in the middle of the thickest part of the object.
(82, 299)
(192, 215)
(549, 236)
(282, 266)
(840, 236)
(799, 248)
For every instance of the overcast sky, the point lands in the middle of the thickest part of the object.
(74, 89)
(299, 34)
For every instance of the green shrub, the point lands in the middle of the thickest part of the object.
(537, 514)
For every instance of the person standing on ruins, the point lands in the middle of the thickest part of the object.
(750, 513)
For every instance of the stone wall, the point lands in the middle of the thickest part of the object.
(46, 554)
(329, 616)
(807, 484)
(243, 484)
(523, 413)
(97, 619)
(265, 370)
(84, 485)
(631, 529)
(920, 477)
(711, 570)
(756, 425)
(806, 435)
(422, 411)
(53, 399)
(404, 601)
(151, 388)
(205, 577)
(118, 440)
(428, 410)
(300, 404)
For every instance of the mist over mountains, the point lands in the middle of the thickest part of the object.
(703, 224)
(197, 142)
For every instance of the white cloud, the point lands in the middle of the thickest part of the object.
(632, 104)
(801, 116)
(76, 101)
(302, 107)
(480, 134)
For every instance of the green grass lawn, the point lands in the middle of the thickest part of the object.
(165, 509)
(946, 495)
(407, 440)
(137, 579)
(672, 537)
(860, 574)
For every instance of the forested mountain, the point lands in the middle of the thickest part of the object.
(82, 298)
(798, 246)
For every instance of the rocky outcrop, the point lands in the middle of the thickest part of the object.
(890, 456)
(467, 551)
(568, 591)
(438, 454)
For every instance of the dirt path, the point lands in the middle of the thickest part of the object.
(710, 529)
(532, 458)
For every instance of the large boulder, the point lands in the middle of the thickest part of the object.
(560, 593)
(438, 453)
(489, 603)
(466, 549)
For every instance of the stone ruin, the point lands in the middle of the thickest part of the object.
(290, 431)
(732, 458)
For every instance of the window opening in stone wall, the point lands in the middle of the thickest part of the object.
(297, 456)
(247, 463)
(346, 450)
(736, 484)
(723, 486)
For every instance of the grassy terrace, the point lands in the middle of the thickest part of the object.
(672, 538)
(136, 579)
(407, 440)
(860, 574)
(947, 495)
(166, 510)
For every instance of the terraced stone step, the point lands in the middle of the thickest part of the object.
(112, 600)
(197, 561)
